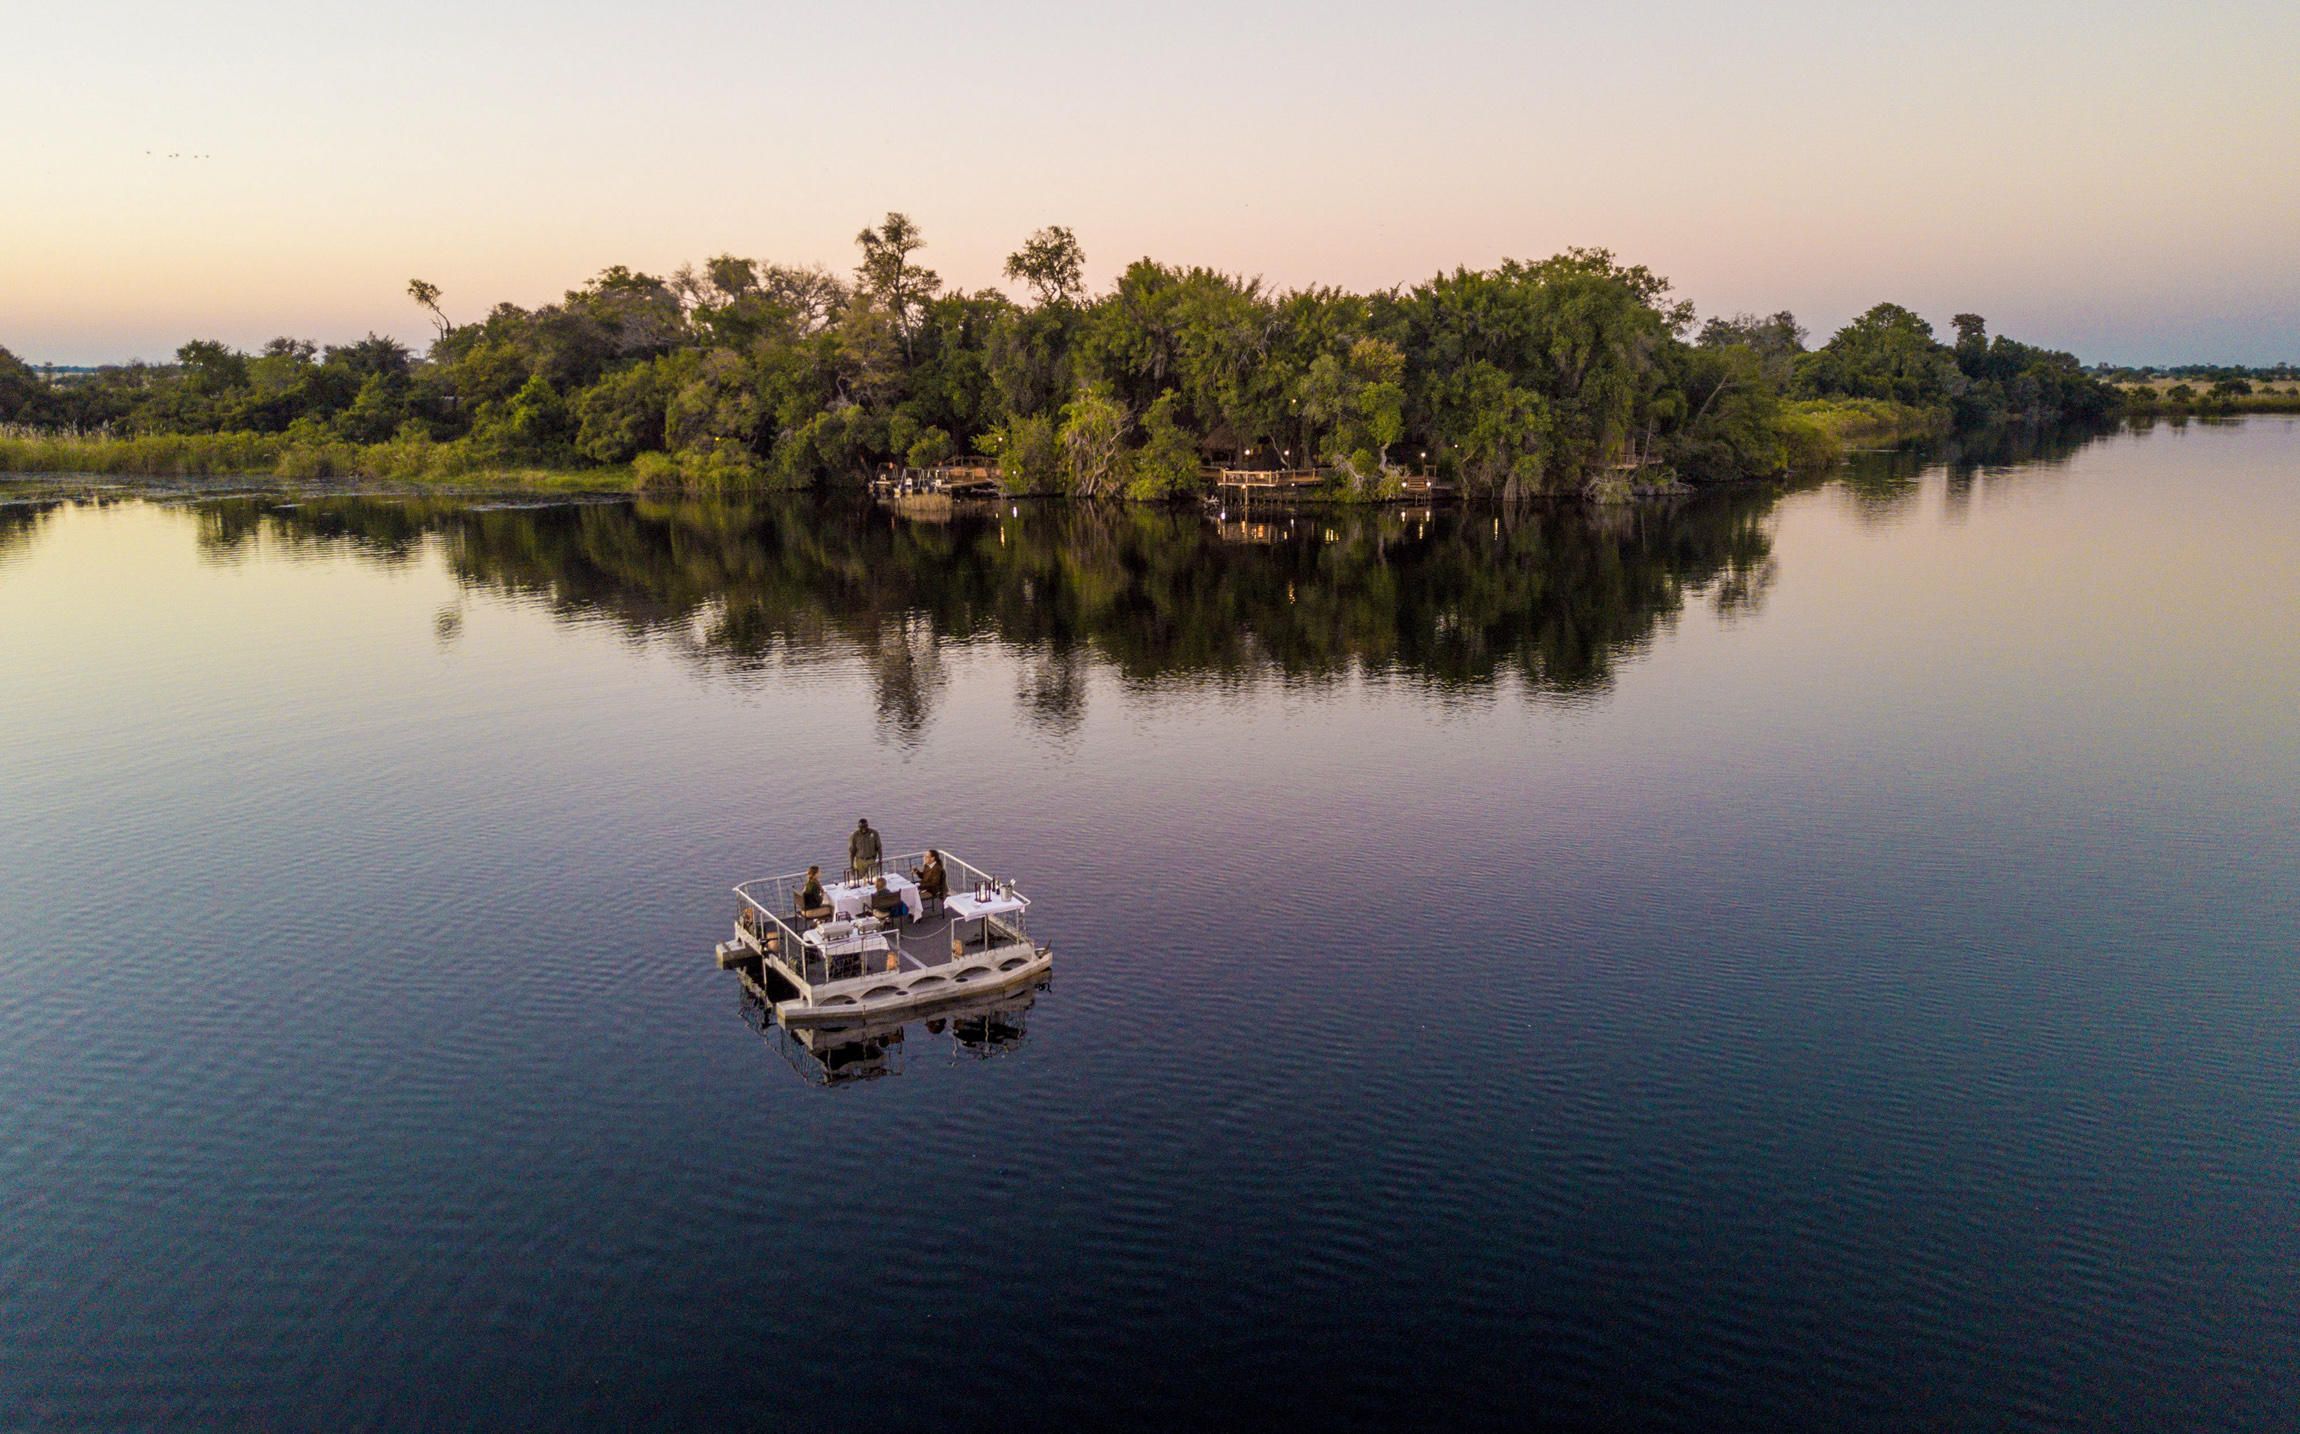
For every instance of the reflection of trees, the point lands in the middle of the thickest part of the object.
(1052, 686)
(18, 522)
(1552, 594)
(1882, 485)
(386, 531)
(2024, 444)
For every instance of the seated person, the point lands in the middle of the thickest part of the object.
(886, 903)
(933, 881)
(813, 903)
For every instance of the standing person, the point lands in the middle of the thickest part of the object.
(863, 851)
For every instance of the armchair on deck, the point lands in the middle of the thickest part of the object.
(758, 925)
(929, 900)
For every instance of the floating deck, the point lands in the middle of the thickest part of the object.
(856, 965)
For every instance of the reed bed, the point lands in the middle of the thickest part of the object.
(264, 455)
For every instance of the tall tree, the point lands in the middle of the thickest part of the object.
(426, 295)
(1777, 340)
(1052, 264)
(889, 277)
(23, 393)
(810, 292)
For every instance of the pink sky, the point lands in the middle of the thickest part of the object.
(2113, 178)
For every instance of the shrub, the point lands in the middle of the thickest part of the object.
(932, 447)
(1166, 465)
(656, 473)
(1029, 459)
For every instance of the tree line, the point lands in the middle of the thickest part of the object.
(1573, 374)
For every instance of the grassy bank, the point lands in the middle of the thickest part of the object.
(1822, 430)
(2172, 398)
(260, 455)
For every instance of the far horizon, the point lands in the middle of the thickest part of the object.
(2094, 180)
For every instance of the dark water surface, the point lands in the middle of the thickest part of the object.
(1820, 959)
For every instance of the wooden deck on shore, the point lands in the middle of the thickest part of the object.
(1248, 484)
(1270, 480)
(959, 478)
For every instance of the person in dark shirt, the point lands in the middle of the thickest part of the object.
(863, 852)
(933, 881)
(888, 903)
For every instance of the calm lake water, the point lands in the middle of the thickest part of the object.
(1817, 959)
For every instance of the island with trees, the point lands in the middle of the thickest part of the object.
(1576, 375)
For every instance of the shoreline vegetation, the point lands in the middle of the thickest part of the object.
(1573, 376)
(2179, 400)
(275, 458)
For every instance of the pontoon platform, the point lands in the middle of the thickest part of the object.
(857, 965)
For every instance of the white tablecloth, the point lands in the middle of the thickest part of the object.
(850, 899)
(965, 907)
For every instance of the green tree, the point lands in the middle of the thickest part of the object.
(1093, 444)
(1166, 465)
(376, 412)
(24, 394)
(931, 447)
(1052, 264)
(811, 294)
(212, 368)
(426, 296)
(532, 426)
(1776, 340)
(715, 405)
(1734, 429)
(1029, 455)
(888, 275)
(622, 415)
(1887, 353)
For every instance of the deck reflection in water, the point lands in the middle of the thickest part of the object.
(977, 1029)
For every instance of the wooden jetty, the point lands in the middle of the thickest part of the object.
(1247, 482)
(969, 477)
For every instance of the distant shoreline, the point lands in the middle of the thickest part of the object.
(1822, 433)
(198, 465)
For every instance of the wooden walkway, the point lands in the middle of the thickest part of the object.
(1271, 480)
(1249, 483)
(958, 478)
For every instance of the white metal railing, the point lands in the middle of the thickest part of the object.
(777, 895)
(770, 911)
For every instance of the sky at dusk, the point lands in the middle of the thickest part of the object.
(2118, 179)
